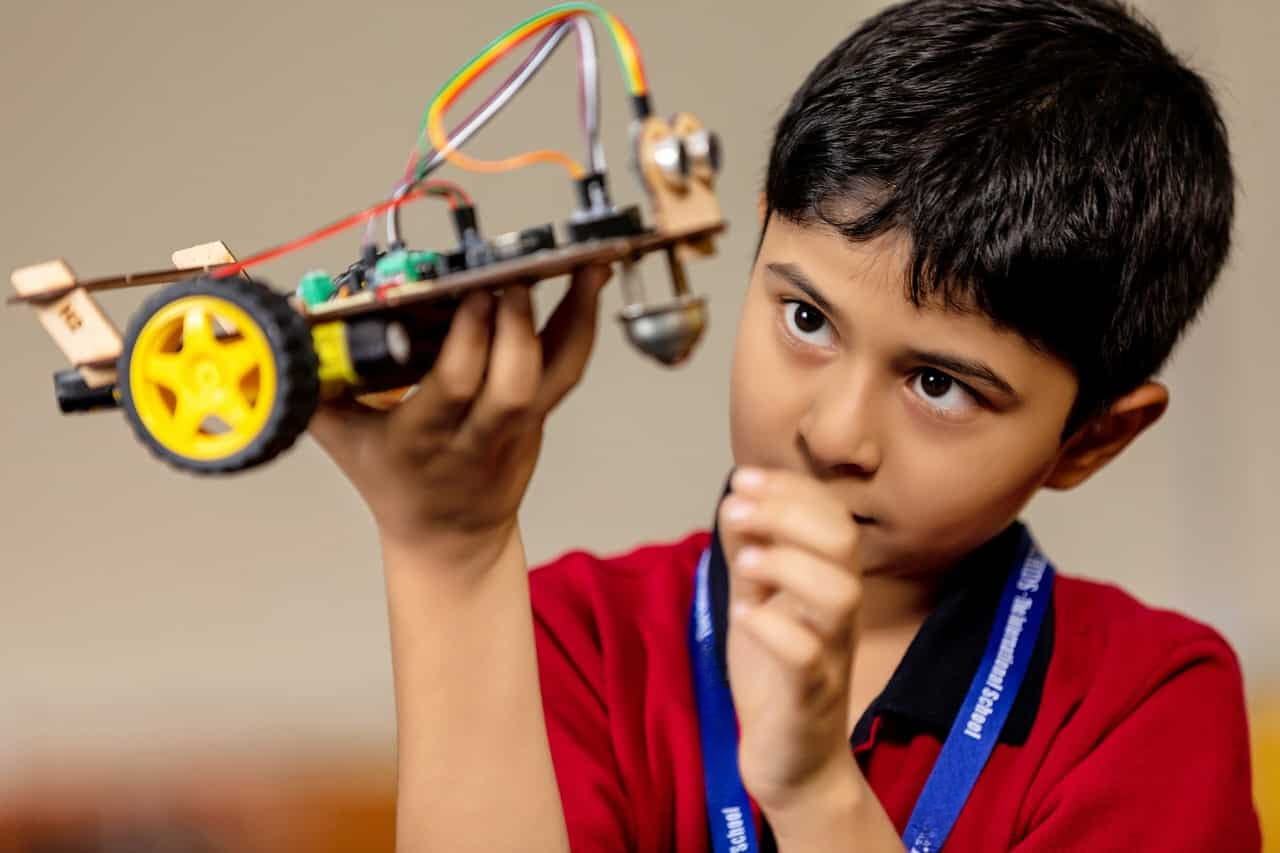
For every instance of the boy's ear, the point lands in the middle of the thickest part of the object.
(1101, 439)
(763, 206)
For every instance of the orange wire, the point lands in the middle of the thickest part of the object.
(435, 121)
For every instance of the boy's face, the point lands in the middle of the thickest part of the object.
(934, 426)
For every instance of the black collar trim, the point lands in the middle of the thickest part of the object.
(927, 689)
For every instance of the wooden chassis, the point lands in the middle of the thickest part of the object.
(685, 209)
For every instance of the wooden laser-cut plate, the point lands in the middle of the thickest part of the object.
(545, 264)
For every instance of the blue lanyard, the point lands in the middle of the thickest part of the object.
(733, 829)
(964, 753)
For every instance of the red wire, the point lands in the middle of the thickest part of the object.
(341, 225)
(457, 191)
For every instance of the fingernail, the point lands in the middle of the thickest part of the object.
(750, 556)
(738, 509)
(748, 478)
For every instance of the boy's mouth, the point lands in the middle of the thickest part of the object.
(862, 519)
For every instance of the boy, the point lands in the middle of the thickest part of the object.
(985, 224)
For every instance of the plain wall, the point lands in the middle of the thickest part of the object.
(141, 609)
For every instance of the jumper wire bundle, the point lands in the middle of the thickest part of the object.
(553, 24)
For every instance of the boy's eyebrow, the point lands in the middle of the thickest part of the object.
(796, 277)
(965, 367)
(971, 368)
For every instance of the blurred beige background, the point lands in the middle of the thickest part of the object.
(144, 613)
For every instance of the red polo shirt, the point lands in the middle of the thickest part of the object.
(1129, 732)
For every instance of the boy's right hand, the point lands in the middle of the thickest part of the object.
(447, 467)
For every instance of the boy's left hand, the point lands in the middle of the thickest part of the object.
(795, 588)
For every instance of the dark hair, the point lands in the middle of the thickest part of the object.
(1055, 166)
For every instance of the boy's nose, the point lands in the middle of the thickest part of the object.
(839, 430)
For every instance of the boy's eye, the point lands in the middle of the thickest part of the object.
(941, 392)
(807, 323)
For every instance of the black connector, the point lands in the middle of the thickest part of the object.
(593, 194)
(517, 244)
(360, 273)
(475, 250)
(597, 218)
(620, 223)
(626, 222)
(74, 395)
(464, 219)
(451, 262)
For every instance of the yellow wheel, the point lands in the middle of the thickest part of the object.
(217, 376)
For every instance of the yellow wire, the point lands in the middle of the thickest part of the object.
(435, 120)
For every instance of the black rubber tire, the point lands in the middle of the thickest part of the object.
(297, 371)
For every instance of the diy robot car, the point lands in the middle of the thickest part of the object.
(218, 372)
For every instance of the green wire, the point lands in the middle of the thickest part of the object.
(560, 7)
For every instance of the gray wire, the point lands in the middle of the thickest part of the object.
(589, 74)
(464, 133)
(473, 123)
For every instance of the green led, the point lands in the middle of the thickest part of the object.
(316, 287)
(394, 267)
(402, 266)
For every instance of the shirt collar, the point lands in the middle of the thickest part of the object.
(929, 685)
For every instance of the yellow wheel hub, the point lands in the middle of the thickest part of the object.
(202, 377)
